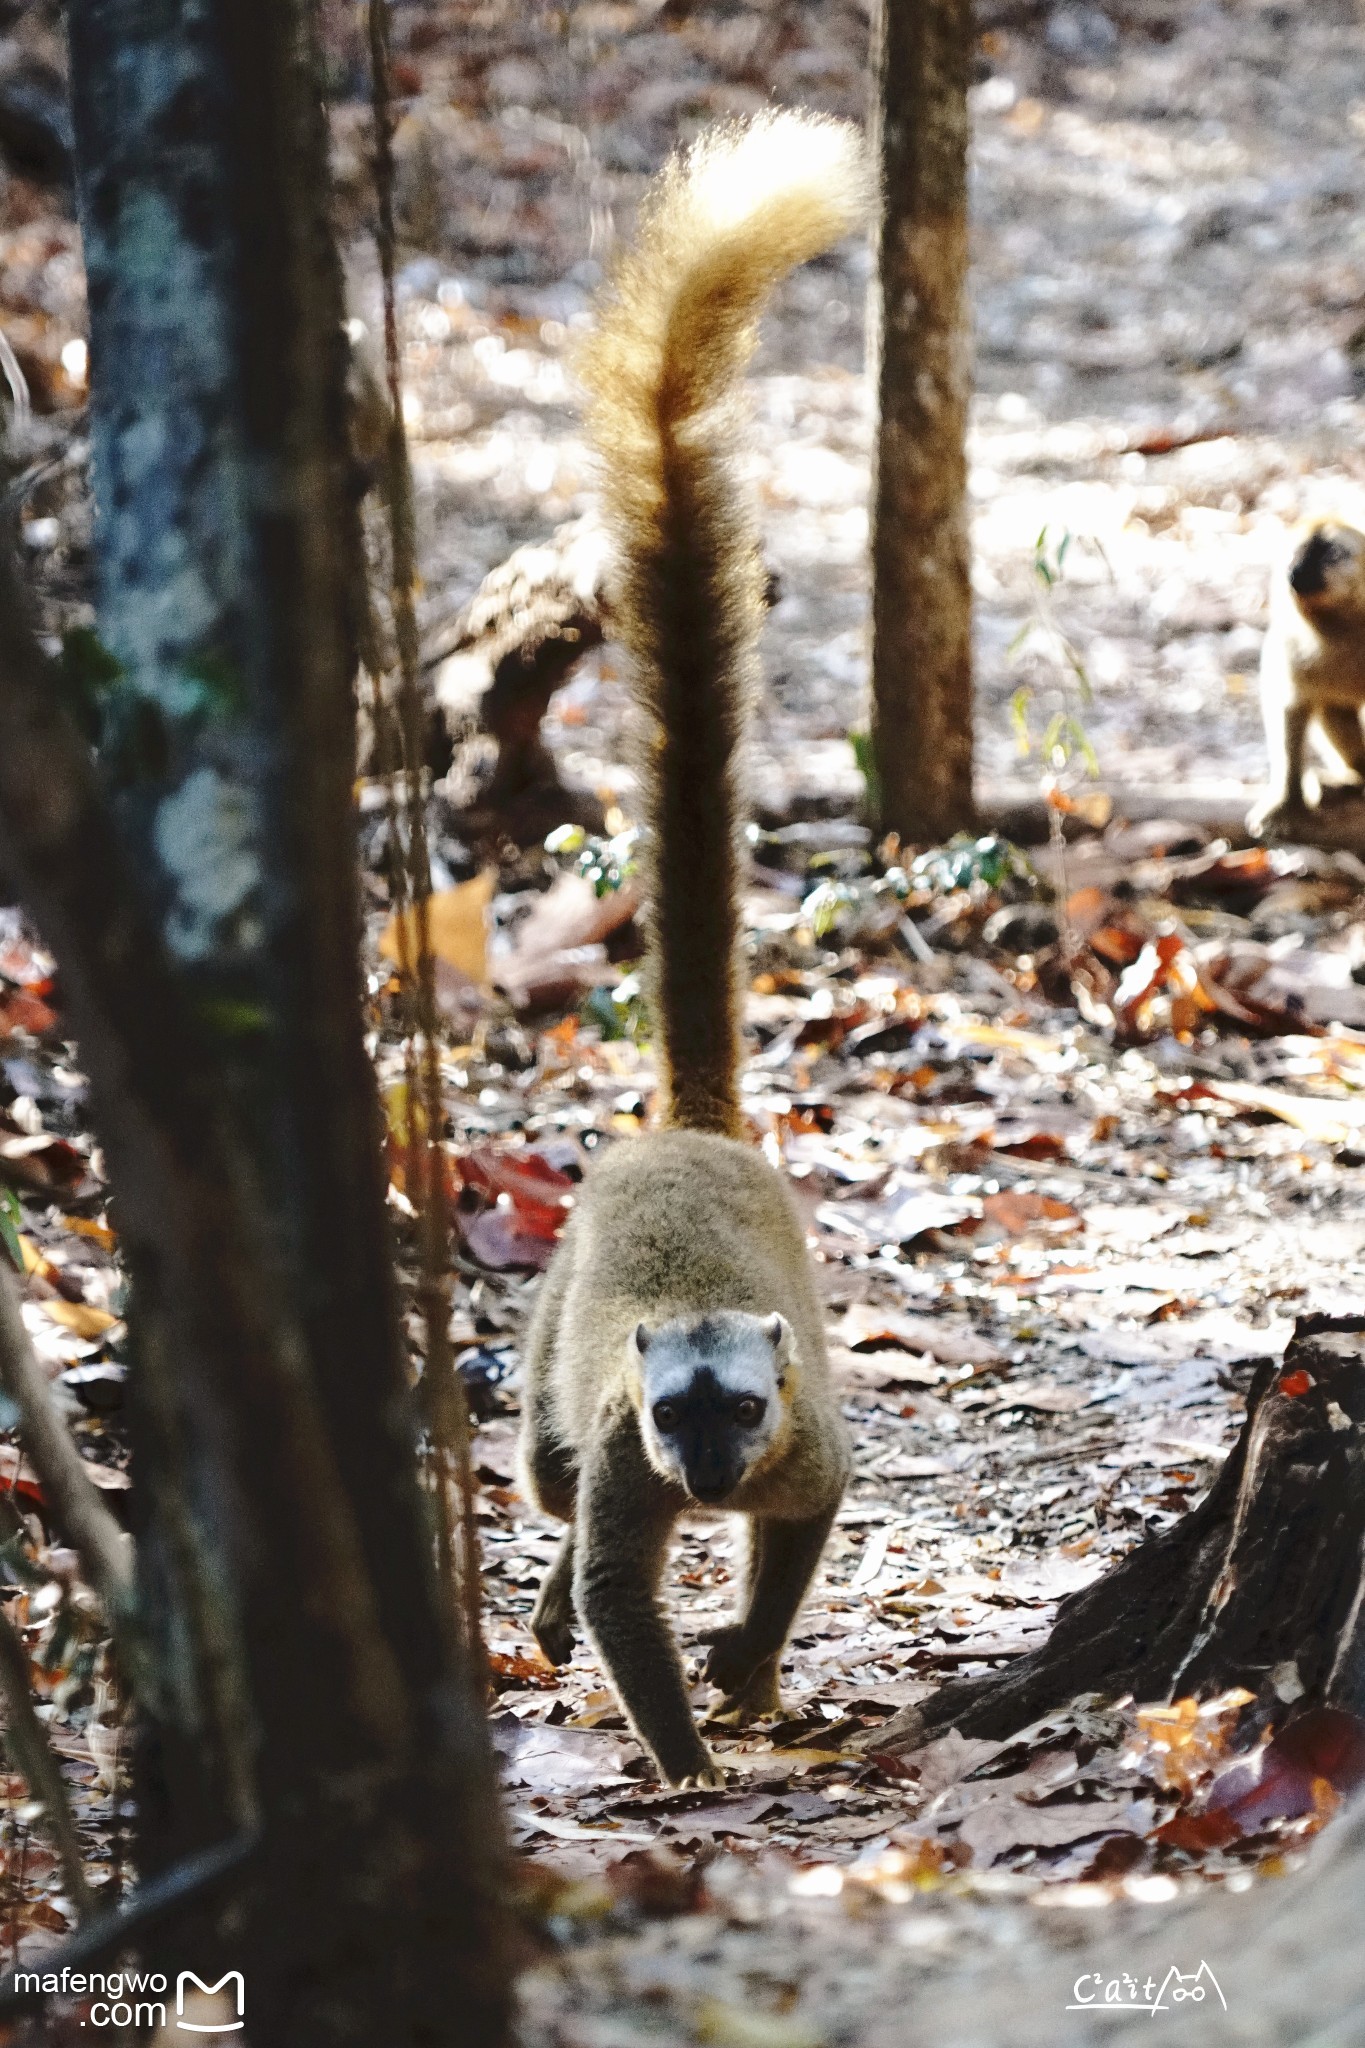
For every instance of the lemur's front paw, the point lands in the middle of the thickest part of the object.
(556, 1640)
(731, 1660)
(704, 1779)
(554, 1633)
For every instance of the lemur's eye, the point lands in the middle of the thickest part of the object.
(749, 1410)
(665, 1414)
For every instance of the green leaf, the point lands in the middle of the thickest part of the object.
(865, 761)
(233, 1016)
(1019, 711)
(11, 1216)
(566, 839)
(217, 682)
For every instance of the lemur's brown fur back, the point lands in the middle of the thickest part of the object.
(664, 367)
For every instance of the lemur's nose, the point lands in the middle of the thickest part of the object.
(1308, 570)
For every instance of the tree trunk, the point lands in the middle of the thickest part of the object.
(921, 581)
(310, 1688)
(1261, 1586)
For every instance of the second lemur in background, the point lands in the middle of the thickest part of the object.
(1313, 668)
(676, 1357)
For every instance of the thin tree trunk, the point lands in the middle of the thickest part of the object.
(309, 1685)
(921, 583)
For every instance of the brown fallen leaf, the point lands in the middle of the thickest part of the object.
(878, 1369)
(1046, 1400)
(552, 1760)
(1018, 1213)
(993, 1829)
(951, 1343)
(557, 947)
(42, 1162)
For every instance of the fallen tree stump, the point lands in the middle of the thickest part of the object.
(1261, 1586)
(496, 665)
(516, 642)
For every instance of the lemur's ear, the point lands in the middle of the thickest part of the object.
(640, 1340)
(778, 1332)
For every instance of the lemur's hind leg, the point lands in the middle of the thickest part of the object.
(758, 1698)
(1341, 723)
(553, 1616)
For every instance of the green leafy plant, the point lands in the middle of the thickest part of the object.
(1063, 739)
(620, 1012)
(965, 863)
(606, 863)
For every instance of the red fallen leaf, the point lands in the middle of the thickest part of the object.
(1164, 966)
(657, 1884)
(1018, 1213)
(18, 1476)
(1037, 1145)
(892, 1766)
(514, 1668)
(41, 1162)
(20, 1011)
(530, 1200)
(1086, 909)
(1303, 1772)
(527, 1179)
(1328, 1741)
(1295, 1383)
(1196, 1832)
(1119, 947)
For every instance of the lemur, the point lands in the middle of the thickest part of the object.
(675, 1359)
(1313, 667)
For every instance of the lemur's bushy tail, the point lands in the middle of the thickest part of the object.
(723, 224)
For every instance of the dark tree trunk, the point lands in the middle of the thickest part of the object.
(1261, 1586)
(921, 582)
(308, 1683)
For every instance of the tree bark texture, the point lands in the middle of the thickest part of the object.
(918, 336)
(1261, 1586)
(309, 1686)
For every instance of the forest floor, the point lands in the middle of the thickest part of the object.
(1074, 1152)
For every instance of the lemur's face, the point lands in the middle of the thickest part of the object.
(1327, 574)
(712, 1397)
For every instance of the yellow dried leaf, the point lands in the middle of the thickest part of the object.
(80, 1318)
(100, 1232)
(734, 2026)
(458, 923)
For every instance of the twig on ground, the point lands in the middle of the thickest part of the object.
(26, 1740)
(84, 1520)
